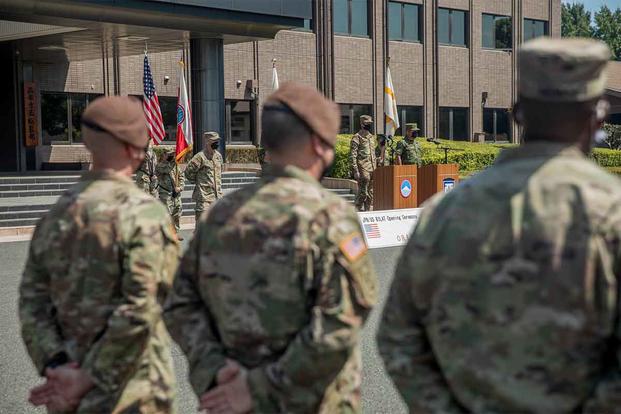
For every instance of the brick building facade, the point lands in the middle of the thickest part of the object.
(453, 64)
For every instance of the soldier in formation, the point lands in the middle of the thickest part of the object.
(205, 171)
(100, 263)
(146, 175)
(517, 310)
(363, 159)
(408, 151)
(272, 293)
(171, 181)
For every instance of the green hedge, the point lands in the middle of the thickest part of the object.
(471, 157)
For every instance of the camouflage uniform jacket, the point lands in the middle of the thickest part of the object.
(169, 176)
(100, 264)
(146, 176)
(409, 151)
(362, 152)
(517, 309)
(207, 175)
(278, 279)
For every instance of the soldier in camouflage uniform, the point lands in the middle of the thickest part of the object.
(171, 181)
(408, 151)
(271, 296)
(146, 176)
(205, 170)
(99, 264)
(384, 152)
(517, 310)
(363, 159)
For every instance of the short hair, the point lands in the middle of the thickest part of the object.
(546, 118)
(282, 129)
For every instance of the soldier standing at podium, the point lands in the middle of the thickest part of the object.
(408, 151)
(363, 162)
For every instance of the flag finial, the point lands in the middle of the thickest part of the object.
(388, 61)
(274, 62)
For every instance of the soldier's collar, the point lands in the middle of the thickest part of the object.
(540, 149)
(104, 175)
(291, 172)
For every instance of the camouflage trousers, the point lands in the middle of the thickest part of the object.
(364, 199)
(174, 206)
(143, 181)
(201, 206)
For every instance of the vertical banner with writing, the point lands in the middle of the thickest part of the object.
(31, 115)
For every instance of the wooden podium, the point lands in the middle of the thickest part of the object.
(395, 186)
(436, 178)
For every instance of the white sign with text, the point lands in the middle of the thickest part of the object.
(388, 228)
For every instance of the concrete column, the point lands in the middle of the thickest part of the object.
(207, 68)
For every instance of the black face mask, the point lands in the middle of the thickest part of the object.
(367, 127)
(171, 157)
(214, 146)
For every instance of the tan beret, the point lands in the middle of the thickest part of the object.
(563, 70)
(120, 117)
(211, 136)
(320, 114)
(366, 119)
(412, 126)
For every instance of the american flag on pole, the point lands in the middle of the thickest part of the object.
(151, 106)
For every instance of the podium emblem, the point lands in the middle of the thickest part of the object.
(448, 184)
(406, 188)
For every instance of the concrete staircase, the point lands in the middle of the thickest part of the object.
(24, 199)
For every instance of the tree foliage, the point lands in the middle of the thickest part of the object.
(575, 21)
(606, 25)
(608, 29)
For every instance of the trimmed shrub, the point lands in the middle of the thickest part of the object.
(471, 157)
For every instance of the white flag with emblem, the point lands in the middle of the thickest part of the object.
(390, 106)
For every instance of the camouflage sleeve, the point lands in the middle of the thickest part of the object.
(403, 343)
(190, 325)
(218, 176)
(153, 171)
(353, 155)
(181, 176)
(40, 331)
(150, 255)
(606, 396)
(192, 169)
(346, 288)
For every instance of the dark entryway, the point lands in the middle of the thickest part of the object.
(8, 125)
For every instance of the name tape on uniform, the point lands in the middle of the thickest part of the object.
(388, 228)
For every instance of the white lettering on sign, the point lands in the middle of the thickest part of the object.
(388, 228)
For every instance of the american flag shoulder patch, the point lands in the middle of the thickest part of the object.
(353, 246)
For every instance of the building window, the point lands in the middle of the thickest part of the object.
(351, 17)
(452, 27)
(350, 117)
(240, 122)
(61, 116)
(404, 22)
(497, 32)
(534, 28)
(454, 124)
(496, 122)
(408, 115)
